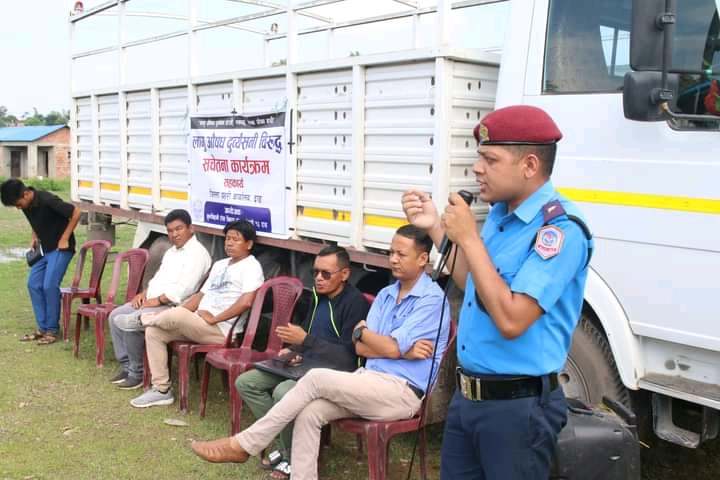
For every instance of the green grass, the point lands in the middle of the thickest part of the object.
(60, 418)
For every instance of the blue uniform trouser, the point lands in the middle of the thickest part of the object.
(502, 439)
(44, 286)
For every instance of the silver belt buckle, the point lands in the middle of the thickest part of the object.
(465, 384)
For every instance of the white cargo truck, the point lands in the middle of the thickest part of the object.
(381, 95)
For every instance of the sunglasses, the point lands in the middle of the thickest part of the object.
(324, 273)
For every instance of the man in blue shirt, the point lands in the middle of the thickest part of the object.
(398, 340)
(523, 278)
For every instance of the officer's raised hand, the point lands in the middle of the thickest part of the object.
(458, 221)
(420, 210)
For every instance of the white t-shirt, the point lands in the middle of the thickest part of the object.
(226, 284)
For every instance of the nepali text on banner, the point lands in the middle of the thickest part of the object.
(237, 170)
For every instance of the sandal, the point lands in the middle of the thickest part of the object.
(281, 471)
(47, 339)
(31, 337)
(273, 458)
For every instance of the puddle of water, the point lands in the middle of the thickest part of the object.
(12, 254)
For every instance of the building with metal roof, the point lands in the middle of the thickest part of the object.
(35, 151)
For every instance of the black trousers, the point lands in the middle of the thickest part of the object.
(502, 439)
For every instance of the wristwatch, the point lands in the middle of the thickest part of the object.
(357, 333)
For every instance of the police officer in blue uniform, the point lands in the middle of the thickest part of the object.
(523, 276)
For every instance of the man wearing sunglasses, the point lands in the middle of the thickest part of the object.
(398, 340)
(325, 337)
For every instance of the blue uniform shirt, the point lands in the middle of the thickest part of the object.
(557, 284)
(416, 317)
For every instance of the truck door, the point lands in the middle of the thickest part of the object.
(649, 190)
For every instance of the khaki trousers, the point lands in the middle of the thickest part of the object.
(324, 395)
(175, 324)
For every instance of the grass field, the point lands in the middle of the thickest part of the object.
(60, 418)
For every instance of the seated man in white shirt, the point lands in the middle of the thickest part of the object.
(207, 316)
(182, 269)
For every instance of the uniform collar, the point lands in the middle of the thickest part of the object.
(532, 205)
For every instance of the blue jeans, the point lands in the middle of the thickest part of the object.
(502, 439)
(44, 286)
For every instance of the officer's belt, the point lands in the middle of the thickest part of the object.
(485, 388)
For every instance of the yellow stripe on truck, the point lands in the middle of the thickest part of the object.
(325, 214)
(113, 187)
(85, 184)
(382, 221)
(643, 200)
(140, 191)
(173, 194)
(344, 216)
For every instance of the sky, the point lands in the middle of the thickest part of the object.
(34, 48)
(35, 43)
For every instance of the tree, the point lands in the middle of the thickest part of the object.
(53, 118)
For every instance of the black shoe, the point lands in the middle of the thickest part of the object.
(130, 383)
(121, 375)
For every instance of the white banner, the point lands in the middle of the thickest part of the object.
(237, 170)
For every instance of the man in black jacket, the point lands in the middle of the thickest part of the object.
(325, 338)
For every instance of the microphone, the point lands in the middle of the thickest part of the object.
(446, 244)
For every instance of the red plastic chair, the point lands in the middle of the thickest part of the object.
(136, 259)
(100, 250)
(379, 434)
(285, 294)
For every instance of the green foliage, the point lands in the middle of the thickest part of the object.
(52, 118)
(49, 184)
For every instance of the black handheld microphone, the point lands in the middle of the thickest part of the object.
(446, 244)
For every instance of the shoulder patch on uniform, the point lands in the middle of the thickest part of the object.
(549, 241)
(552, 210)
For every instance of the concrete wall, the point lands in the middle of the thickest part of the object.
(59, 156)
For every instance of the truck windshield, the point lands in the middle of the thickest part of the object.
(587, 49)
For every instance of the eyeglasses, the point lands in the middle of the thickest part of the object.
(324, 273)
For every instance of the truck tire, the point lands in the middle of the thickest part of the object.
(590, 372)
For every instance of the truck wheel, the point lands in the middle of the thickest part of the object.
(590, 372)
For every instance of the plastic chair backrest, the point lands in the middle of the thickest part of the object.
(137, 259)
(100, 250)
(369, 297)
(285, 294)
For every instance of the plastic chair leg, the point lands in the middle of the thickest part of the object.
(66, 306)
(147, 377)
(76, 346)
(423, 450)
(236, 402)
(99, 341)
(204, 382)
(183, 377)
(376, 454)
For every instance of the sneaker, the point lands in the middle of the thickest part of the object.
(130, 383)
(121, 375)
(129, 323)
(153, 398)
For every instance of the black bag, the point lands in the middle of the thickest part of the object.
(34, 255)
(597, 444)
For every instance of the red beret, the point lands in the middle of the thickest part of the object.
(517, 125)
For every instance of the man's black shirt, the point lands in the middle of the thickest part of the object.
(49, 216)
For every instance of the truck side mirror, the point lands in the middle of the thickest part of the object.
(650, 23)
(643, 96)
